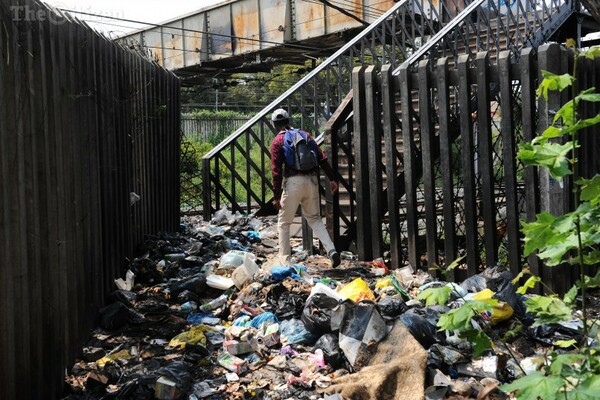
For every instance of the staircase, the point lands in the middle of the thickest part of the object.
(409, 32)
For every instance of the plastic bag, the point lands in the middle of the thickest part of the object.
(474, 284)
(196, 284)
(383, 282)
(279, 273)
(266, 318)
(421, 323)
(329, 344)
(357, 290)
(318, 313)
(500, 312)
(114, 316)
(323, 288)
(391, 307)
(232, 259)
(293, 331)
(193, 336)
(285, 303)
(246, 271)
(362, 327)
(178, 372)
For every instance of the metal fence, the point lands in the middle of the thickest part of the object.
(212, 130)
(468, 191)
(86, 127)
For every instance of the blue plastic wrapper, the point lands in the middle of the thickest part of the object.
(264, 318)
(296, 333)
(201, 318)
(253, 236)
(234, 244)
(282, 272)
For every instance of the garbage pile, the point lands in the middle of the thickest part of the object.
(213, 313)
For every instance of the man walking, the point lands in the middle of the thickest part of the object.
(295, 182)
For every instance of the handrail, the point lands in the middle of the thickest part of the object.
(456, 21)
(275, 103)
(410, 32)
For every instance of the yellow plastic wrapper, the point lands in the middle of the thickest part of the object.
(500, 312)
(357, 290)
(193, 336)
(383, 282)
(113, 357)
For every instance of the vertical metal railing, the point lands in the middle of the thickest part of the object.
(85, 124)
(389, 40)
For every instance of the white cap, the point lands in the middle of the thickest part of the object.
(279, 115)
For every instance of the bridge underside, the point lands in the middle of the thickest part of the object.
(253, 35)
(264, 60)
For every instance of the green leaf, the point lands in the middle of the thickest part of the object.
(588, 389)
(592, 53)
(590, 190)
(433, 296)
(567, 113)
(593, 282)
(520, 275)
(589, 95)
(529, 284)
(587, 122)
(553, 254)
(538, 233)
(553, 82)
(565, 343)
(551, 132)
(455, 263)
(566, 363)
(480, 342)
(570, 296)
(536, 385)
(552, 156)
(459, 319)
(548, 309)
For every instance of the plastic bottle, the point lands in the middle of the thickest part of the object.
(216, 303)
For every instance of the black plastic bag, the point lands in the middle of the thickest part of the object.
(114, 316)
(391, 307)
(474, 284)
(284, 303)
(499, 280)
(329, 344)
(124, 296)
(178, 372)
(317, 313)
(196, 284)
(421, 323)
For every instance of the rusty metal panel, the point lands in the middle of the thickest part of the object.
(219, 24)
(336, 20)
(375, 8)
(152, 39)
(173, 45)
(245, 22)
(195, 42)
(275, 21)
(309, 21)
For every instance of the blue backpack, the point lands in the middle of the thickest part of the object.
(299, 151)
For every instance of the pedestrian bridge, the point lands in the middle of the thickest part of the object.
(253, 35)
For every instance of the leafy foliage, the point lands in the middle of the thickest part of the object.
(574, 375)
(434, 296)
(548, 309)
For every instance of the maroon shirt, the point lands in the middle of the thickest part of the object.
(279, 169)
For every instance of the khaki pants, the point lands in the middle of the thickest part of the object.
(301, 190)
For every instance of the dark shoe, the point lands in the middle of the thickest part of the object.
(334, 256)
